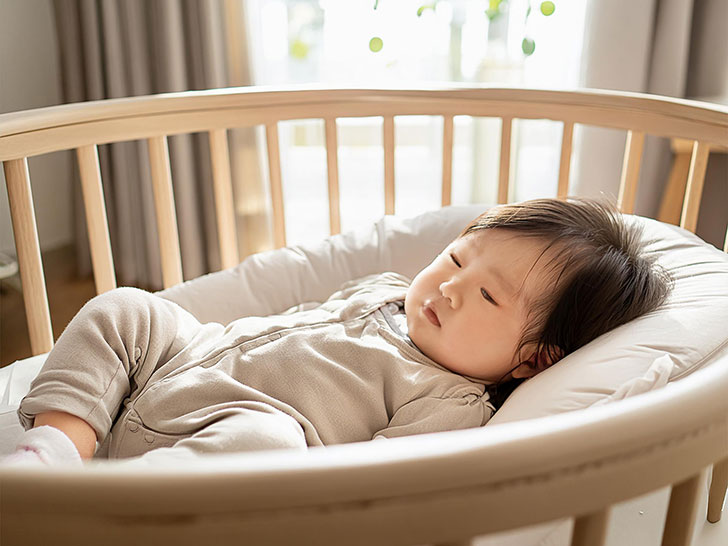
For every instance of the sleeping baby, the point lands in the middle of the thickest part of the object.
(520, 288)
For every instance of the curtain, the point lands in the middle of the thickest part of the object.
(708, 78)
(675, 48)
(112, 49)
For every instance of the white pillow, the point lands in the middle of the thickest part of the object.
(687, 333)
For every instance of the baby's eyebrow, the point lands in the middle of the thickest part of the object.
(507, 288)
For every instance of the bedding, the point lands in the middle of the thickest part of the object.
(686, 334)
(672, 342)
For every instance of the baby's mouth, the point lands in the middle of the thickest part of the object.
(429, 312)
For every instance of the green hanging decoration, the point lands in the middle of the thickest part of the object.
(494, 10)
(376, 44)
(528, 46)
(424, 7)
(547, 8)
(299, 49)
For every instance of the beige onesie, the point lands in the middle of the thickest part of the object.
(141, 367)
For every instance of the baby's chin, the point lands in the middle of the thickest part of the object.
(414, 334)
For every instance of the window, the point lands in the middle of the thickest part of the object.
(333, 42)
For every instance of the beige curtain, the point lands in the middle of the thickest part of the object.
(112, 49)
(676, 48)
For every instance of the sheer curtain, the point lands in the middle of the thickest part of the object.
(113, 49)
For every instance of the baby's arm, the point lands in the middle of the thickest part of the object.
(432, 414)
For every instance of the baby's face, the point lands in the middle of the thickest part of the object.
(468, 308)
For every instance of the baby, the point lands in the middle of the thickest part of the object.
(520, 288)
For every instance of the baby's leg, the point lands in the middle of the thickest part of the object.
(257, 427)
(109, 350)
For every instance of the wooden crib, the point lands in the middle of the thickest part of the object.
(397, 499)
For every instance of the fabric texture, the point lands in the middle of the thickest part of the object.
(145, 369)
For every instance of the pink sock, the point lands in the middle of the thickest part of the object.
(44, 445)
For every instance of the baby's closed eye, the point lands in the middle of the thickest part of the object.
(487, 296)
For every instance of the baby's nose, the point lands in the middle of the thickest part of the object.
(449, 292)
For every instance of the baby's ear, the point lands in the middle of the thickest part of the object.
(537, 362)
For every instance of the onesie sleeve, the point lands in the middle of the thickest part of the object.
(433, 414)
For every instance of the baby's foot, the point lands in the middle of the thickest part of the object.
(43, 446)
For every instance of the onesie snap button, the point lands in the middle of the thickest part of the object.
(133, 427)
(149, 438)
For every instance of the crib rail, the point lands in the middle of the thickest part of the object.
(83, 127)
(442, 488)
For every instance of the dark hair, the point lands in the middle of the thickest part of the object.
(602, 277)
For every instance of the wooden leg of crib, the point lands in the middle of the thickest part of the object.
(682, 512)
(717, 490)
(591, 529)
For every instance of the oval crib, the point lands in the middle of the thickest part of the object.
(421, 489)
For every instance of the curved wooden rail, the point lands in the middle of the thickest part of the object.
(24, 134)
(453, 485)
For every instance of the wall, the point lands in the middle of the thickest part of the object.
(30, 78)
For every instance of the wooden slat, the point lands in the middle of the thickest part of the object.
(565, 162)
(718, 485)
(694, 189)
(223, 189)
(591, 529)
(447, 143)
(25, 231)
(276, 185)
(682, 512)
(630, 171)
(332, 166)
(505, 160)
(97, 223)
(164, 207)
(388, 165)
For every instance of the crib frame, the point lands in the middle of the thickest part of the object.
(382, 498)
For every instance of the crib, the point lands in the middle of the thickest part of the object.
(444, 488)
